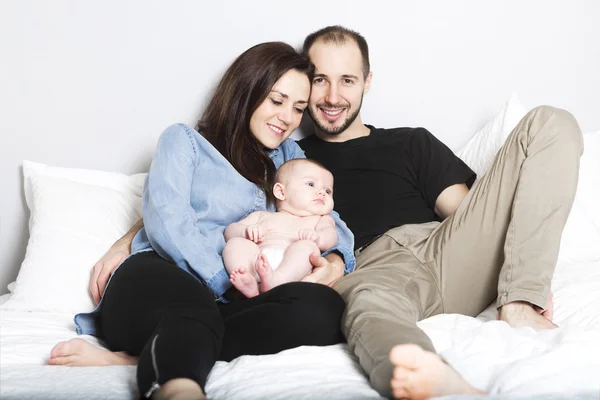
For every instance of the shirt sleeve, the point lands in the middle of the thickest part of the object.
(435, 166)
(169, 218)
(345, 244)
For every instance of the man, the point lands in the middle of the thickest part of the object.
(498, 240)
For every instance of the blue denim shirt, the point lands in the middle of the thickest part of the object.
(191, 194)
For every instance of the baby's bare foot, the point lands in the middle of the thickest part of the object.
(519, 314)
(78, 352)
(265, 272)
(244, 282)
(419, 374)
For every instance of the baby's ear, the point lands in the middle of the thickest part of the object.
(279, 191)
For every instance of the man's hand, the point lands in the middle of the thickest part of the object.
(104, 268)
(255, 233)
(326, 271)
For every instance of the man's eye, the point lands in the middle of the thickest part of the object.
(348, 81)
(318, 80)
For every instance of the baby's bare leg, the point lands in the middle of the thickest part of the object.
(239, 257)
(294, 266)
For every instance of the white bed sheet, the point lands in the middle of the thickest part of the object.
(491, 355)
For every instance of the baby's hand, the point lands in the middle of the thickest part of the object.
(308, 234)
(255, 233)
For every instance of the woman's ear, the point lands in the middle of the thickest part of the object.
(279, 191)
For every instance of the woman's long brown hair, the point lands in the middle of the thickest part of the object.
(245, 85)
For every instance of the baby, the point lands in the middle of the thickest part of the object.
(267, 249)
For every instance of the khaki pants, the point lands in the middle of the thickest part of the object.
(501, 243)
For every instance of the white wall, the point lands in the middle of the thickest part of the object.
(91, 84)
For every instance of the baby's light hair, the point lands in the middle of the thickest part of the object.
(286, 167)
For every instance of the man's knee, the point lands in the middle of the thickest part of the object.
(563, 123)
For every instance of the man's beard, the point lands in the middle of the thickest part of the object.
(332, 130)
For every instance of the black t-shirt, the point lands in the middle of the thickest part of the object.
(390, 178)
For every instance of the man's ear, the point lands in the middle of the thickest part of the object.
(368, 82)
(279, 191)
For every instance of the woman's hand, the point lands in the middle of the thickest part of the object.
(326, 270)
(104, 268)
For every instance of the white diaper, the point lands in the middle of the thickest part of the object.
(274, 255)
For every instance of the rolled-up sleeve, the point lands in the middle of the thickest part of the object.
(345, 244)
(169, 218)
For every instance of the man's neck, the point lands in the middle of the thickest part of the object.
(356, 130)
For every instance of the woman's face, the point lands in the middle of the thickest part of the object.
(281, 112)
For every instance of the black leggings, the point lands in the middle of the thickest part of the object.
(157, 311)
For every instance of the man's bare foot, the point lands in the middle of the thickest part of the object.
(265, 272)
(420, 374)
(179, 389)
(519, 314)
(244, 282)
(78, 352)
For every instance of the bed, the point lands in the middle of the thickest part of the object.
(77, 214)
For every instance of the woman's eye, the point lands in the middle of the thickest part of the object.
(277, 103)
(299, 110)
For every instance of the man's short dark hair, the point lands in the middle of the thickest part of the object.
(339, 35)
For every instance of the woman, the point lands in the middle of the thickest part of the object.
(198, 184)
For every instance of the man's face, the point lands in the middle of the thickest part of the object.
(338, 86)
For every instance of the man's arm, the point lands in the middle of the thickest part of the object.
(449, 200)
(111, 260)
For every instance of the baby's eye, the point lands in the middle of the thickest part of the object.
(328, 191)
(311, 184)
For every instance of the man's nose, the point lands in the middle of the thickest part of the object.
(333, 95)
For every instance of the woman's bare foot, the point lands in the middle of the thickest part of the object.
(419, 374)
(519, 314)
(179, 389)
(265, 272)
(244, 282)
(78, 352)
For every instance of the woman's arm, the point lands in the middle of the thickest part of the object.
(171, 223)
(111, 260)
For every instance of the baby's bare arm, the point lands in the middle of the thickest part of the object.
(325, 228)
(238, 229)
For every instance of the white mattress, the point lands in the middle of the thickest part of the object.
(491, 355)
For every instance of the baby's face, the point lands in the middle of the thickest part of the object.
(309, 188)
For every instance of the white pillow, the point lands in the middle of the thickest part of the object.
(76, 215)
(580, 241)
(480, 150)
